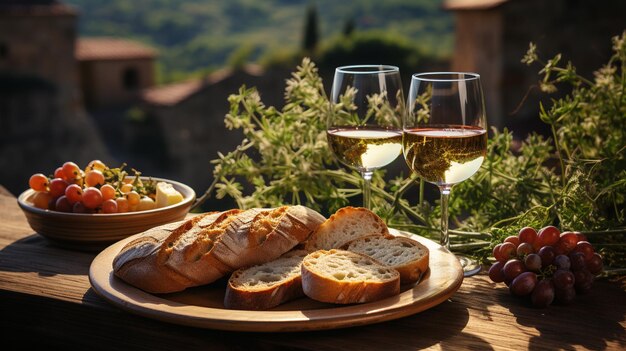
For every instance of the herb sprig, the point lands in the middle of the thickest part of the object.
(576, 179)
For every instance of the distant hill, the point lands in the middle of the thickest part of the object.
(195, 36)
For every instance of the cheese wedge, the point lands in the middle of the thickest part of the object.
(166, 195)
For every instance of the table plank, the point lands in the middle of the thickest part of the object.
(45, 292)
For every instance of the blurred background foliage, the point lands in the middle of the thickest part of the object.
(195, 37)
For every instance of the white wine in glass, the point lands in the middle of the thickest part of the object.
(364, 129)
(445, 136)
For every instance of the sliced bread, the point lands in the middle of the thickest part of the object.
(344, 277)
(347, 224)
(266, 285)
(407, 256)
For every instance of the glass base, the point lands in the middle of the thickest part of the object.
(470, 267)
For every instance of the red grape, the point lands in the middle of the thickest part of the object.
(585, 248)
(38, 182)
(563, 279)
(57, 187)
(562, 262)
(547, 255)
(583, 281)
(513, 240)
(568, 241)
(565, 296)
(527, 235)
(581, 236)
(506, 251)
(495, 272)
(63, 205)
(109, 206)
(92, 197)
(74, 193)
(577, 261)
(543, 295)
(595, 264)
(58, 173)
(525, 249)
(79, 208)
(547, 236)
(533, 262)
(71, 170)
(523, 284)
(512, 269)
(560, 249)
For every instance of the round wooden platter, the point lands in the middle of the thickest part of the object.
(203, 307)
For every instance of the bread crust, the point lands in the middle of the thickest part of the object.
(340, 228)
(209, 246)
(137, 261)
(256, 243)
(321, 287)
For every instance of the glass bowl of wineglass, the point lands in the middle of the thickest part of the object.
(445, 136)
(364, 128)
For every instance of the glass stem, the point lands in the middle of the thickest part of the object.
(445, 196)
(367, 189)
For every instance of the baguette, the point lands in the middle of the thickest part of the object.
(208, 247)
(267, 285)
(347, 224)
(136, 263)
(345, 277)
(269, 235)
(407, 256)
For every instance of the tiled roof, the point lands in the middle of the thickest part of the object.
(104, 48)
(172, 94)
(472, 4)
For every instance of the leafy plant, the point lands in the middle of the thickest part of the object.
(575, 180)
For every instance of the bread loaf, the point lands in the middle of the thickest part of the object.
(136, 263)
(345, 277)
(347, 224)
(208, 247)
(407, 256)
(266, 285)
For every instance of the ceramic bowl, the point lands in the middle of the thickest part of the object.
(95, 231)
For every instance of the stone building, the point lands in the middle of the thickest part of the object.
(113, 71)
(189, 116)
(492, 36)
(42, 120)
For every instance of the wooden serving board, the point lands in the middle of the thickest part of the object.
(203, 306)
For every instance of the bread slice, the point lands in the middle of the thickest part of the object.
(344, 277)
(407, 256)
(347, 224)
(267, 285)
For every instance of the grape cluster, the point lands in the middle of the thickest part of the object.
(72, 189)
(549, 266)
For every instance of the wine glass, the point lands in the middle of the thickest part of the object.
(364, 127)
(445, 136)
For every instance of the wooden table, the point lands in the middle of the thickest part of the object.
(46, 300)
